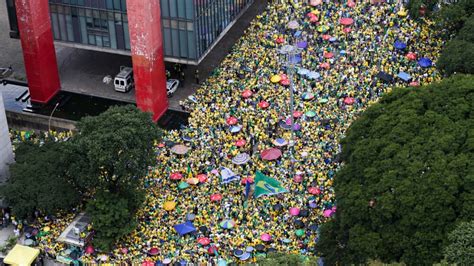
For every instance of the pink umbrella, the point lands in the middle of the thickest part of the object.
(328, 213)
(285, 82)
(313, 19)
(231, 121)
(326, 37)
(310, 15)
(294, 211)
(297, 114)
(215, 171)
(148, 263)
(153, 251)
(314, 191)
(216, 197)
(346, 21)
(124, 250)
(411, 56)
(315, 2)
(202, 178)
(280, 40)
(247, 180)
(204, 241)
(90, 249)
(325, 65)
(349, 100)
(414, 84)
(328, 55)
(351, 3)
(298, 178)
(240, 142)
(176, 176)
(284, 76)
(266, 237)
(263, 104)
(270, 154)
(347, 30)
(247, 93)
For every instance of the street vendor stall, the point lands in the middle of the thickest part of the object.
(21, 256)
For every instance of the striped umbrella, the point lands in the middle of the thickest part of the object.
(241, 158)
(227, 224)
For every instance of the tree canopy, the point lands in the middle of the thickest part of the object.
(38, 181)
(461, 244)
(407, 178)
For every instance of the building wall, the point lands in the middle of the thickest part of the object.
(6, 153)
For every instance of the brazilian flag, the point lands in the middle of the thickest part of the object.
(265, 185)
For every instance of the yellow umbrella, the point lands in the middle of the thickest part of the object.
(169, 205)
(47, 229)
(275, 78)
(402, 13)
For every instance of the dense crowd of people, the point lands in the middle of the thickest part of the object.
(349, 54)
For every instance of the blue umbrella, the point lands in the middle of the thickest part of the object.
(297, 34)
(302, 45)
(342, 52)
(404, 76)
(235, 129)
(184, 228)
(296, 59)
(425, 62)
(332, 39)
(399, 45)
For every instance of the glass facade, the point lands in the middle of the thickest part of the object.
(190, 27)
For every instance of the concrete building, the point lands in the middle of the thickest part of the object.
(6, 152)
(151, 31)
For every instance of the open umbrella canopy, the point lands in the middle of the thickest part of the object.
(241, 158)
(90, 249)
(414, 84)
(183, 185)
(399, 45)
(263, 104)
(314, 190)
(280, 142)
(275, 78)
(328, 55)
(425, 62)
(247, 93)
(411, 56)
(326, 37)
(202, 178)
(240, 142)
(349, 100)
(246, 180)
(303, 71)
(227, 224)
(313, 75)
(293, 24)
(266, 237)
(294, 211)
(404, 76)
(323, 100)
(346, 21)
(192, 181)
(310, 114)
(180, 149)
(169, 205)
(328, 213)
(184, 228)
(216, 197)
(231, 120)
(271, 154)
(385, 77)
(148, 263)
(235, 128)
(347, 30)
(307, 96)
(153, 251)
(299, 232)
(204, 241)
(285, 82)
(332, 39)
(176, 176)
(325, 65)
(302, 44)
(297, 114)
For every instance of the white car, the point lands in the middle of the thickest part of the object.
(171, 86)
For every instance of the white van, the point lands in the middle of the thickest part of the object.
(124, 82)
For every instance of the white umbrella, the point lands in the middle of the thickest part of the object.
(313, 75)
(293, 24)
(303, 71)
(241, 158)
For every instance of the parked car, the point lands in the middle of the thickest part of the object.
(171, 86)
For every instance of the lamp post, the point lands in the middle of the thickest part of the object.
(50, 116)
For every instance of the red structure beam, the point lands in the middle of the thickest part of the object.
(144, 19)
(38, 49)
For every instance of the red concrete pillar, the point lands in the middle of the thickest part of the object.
(38, 49)
(144, 20)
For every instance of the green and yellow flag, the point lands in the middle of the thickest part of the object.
(265, 185)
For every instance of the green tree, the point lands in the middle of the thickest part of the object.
(408, 176)
(457, 56)
(38, 181)
(274, 259)
(461, 244)
(108, 158)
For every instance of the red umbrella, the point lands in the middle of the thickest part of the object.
(411, 56)
(298, 178)
(328, 55)
(326, 37)
(153, 251)
(414, 84)
(212, 250)
(347, 30)
(247, 180)
(270, 154)
(216, 197)
(314, 191)
(285, 82)
(263, 104)
(176, 176)
(240, 142)
(90, 249)
(231, 121)
(148, 263)
(280, 40)
(161, 145)
(202, 178)
(346, 21)
(325, 65)
(247, 93)
(313, 19)
(297, 114)
(310, 15)
(349, 100)
(204, 241)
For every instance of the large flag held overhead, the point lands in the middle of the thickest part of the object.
(265, 185)
(228, 176)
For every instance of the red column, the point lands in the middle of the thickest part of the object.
(38, 49)
(144, 20)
